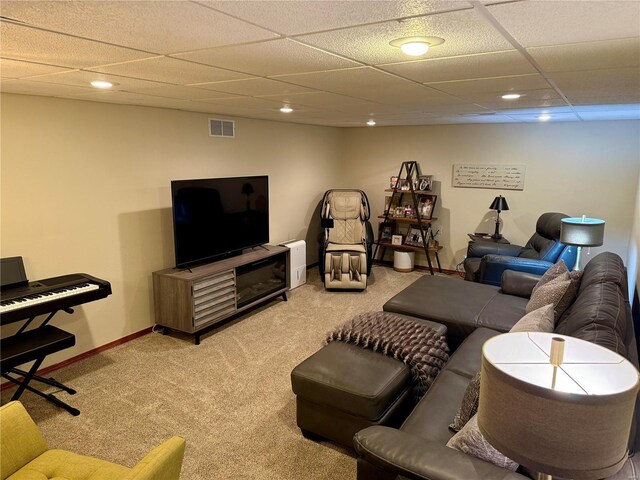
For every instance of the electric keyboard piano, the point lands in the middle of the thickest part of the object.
(24, 300)
(50, 295)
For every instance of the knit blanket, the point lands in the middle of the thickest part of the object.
(419, 347)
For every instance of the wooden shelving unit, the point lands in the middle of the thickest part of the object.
(411, 172)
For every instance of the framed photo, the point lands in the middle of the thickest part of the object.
(386, 232)
(427, 205)
(414, 236)
(404, 184)
(396, 240)
(393, 181)
(425, 182)
(387, 203)
(398, 212)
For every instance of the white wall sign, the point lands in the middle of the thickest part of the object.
(504, 177)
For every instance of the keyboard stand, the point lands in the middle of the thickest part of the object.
(35, 345)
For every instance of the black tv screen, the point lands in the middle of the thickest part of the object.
(218, 216)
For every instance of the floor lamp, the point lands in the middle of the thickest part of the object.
(557, 404)
(581, 232)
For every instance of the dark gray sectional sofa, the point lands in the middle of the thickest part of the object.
(473, 313)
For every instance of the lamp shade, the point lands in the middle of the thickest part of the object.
(582, 232)
(499, 203)
(573, 423)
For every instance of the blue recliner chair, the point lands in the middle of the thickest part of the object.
(486, 261)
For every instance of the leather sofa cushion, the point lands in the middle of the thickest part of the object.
(467, 359)
(604, 268)
(599, 316)
(352, 379)
(461, 307)
(431, 418)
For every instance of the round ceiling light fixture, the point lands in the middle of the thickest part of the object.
(101, 84)
(544, 117)
(511, 96)
(371, 122)
(416, 46)
(286, 109)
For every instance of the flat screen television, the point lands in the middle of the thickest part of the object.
(217, 217)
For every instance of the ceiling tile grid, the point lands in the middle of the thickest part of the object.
(331, 59)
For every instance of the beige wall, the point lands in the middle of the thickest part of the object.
(633, 258)
(85, 188)
(575, 168)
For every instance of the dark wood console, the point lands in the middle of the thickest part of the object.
(191, 300)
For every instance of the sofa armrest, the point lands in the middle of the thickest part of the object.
(492, 267)
(20, 439)
(162, 463)
(410, 456)
(520, 284)
(480, 249)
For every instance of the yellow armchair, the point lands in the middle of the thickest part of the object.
(24, 455)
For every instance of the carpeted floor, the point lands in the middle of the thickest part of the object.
(230, 397)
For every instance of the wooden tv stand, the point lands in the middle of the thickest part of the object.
(192, 300)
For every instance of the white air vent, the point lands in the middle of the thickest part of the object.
(222, 128)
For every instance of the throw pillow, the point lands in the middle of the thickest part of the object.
(469, 405)
(570, 295)
(550, 292)
(469, 440)
(553, 272)
(540, 320)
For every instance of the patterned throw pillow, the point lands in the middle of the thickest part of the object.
(555, 271)
(570, 295)
(469, 440)
(540, 320)
(469, 405)
(550, 292)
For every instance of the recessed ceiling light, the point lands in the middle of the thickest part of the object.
(286, 109)
(511, 96)
(416, 46)
(101, 84)
(371, 122)
(544, 117)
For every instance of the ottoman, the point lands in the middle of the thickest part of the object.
(343, 388)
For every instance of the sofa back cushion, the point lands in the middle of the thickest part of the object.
(545, 244)
(599, 313)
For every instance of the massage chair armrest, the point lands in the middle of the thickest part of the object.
(480, 249)
(493, 266)
(370, 240)
(163, 462)
(401, 453)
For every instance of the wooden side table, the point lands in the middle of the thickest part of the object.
(486, 237)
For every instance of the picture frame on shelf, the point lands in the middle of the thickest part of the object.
(425, 183)
(414, 236)
(404, 184)
(387, 203)
(398, 212)
(386, 231)
(396, 240)
(426, 206)
(393, 181)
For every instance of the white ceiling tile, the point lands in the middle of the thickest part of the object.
(33, 45)
(263, 86)
(113, 97)
(555, 117)
(537, 110)
(541, 23)
(171, 70)
(538, 95)
(276, 57)
(172, 91)
(497, 85)
(589, 55)
(464, 32)
(291, 17)
(504, 106)
(597, 83)
(325, 100)
(243, 101)
(17, 69)
(606, 100)
(83, 78)
(463, 67)
(154, 26)
(28, 87)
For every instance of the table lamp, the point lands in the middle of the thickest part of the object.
(556, 404)
(581, 232)
(499, 204)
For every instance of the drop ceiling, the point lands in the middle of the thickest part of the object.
(331, 60)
